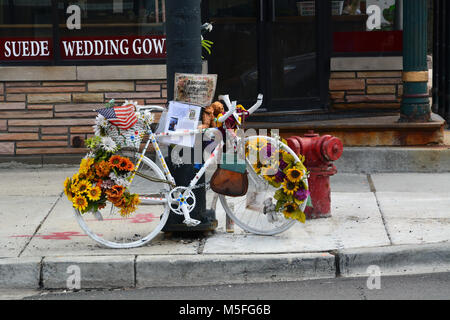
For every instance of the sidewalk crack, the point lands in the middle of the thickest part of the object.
(40, 224)
(383, 219)
(201, 246)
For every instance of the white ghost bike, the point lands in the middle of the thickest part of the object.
(160, 195)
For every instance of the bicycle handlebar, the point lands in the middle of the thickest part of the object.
(232, 106)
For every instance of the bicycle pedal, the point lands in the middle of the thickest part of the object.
(191, 222)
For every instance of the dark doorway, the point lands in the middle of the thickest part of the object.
(280, 48)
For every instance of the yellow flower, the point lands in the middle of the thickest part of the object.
(75, 178)
(289, 209)
(288, 158)
(294, 175)
(67, 183)
(257, 144)
(80, 202)
(289, 187)
(74, 186)
(292, 211)
(85, 165)
(67, 188)
(258, 166)
(84, 186)
(94, 193)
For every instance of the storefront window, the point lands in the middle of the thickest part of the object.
(82, 30)
(367, 26)
(25, 30)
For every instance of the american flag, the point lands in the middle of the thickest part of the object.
(123, 117)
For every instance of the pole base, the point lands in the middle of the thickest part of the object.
(208, 222)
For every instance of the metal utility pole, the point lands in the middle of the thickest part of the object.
(184, 51)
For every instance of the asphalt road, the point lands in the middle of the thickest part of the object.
(416, 287)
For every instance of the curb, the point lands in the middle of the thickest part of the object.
(130, 271)
(394, 159)
(105, 272)
(395, 260)
(20, 273)
(225, 269)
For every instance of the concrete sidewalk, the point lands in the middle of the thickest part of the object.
(399, 222)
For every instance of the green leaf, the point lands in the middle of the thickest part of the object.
(279, 195)
(279, 205)
(309, 202)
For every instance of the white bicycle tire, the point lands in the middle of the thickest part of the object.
(134, 244)
(245, 226)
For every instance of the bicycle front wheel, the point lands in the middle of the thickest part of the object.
(109, 228)
(248, 211)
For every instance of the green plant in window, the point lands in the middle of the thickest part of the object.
(206, 44)
(389, 14)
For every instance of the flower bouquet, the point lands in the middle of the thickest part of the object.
(103, 175)
(281, 171)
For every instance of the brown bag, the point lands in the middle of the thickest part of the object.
(229, 183)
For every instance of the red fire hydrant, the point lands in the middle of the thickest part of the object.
(319, 152)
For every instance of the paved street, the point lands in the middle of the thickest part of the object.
(416, 287)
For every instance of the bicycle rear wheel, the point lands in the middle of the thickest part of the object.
(247, 211)
(109, 228)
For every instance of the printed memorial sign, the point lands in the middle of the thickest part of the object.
(198, 89)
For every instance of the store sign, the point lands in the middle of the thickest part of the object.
(84, 48)
(20, 49)
(132, 47)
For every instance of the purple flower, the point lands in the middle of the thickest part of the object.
(301, 194)
(279, 176)
(282, 164)
(267, 151)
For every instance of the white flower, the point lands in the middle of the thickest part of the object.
(100, 123)
(97, 130)
(121, 181)
(89, 155)
(108, 144)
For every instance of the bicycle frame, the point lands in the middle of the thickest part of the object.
(153, 139)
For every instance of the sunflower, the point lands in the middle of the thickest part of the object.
(75, 178)
(80, 202)
(67, 184)
(94, 193)
(289, 187)
(115, 161)
(67, 188)
(294, 175)
(84, 186)
(85, 165)
(289, 209)
(292, 211)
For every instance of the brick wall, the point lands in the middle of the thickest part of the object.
(43, 118)
(365, 90)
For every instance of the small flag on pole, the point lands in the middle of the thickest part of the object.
(123, 117)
